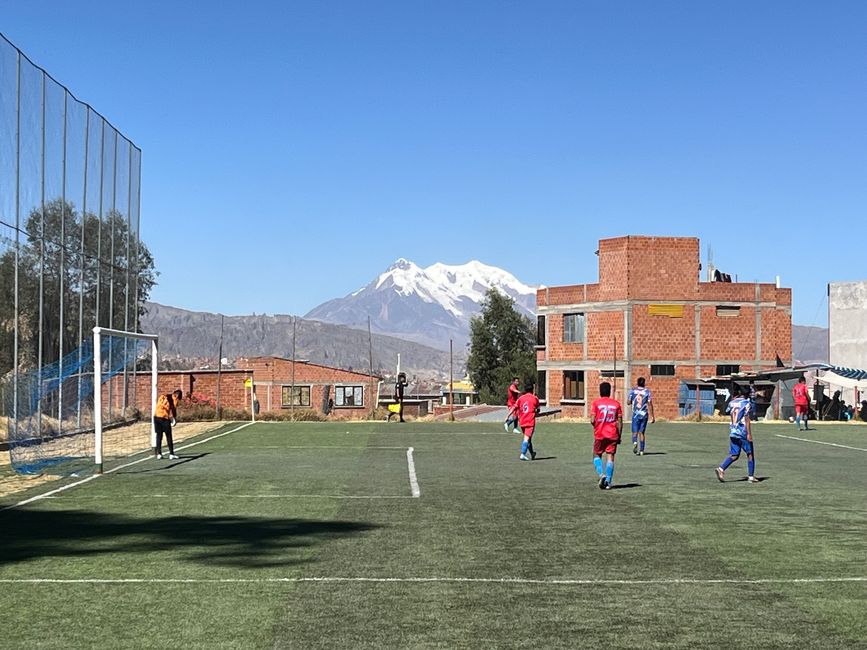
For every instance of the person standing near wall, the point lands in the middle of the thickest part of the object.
(165, 417)
(399, 387)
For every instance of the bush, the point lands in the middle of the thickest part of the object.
(296, 415)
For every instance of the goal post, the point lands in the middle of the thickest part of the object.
(93, 404)
(105, 369)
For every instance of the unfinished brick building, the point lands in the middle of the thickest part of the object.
(650, 315)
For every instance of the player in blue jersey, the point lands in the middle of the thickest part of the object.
(740, 435)
(642, 405)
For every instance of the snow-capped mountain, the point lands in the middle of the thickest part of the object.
(430, 305)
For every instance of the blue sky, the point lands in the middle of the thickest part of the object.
(293, 150)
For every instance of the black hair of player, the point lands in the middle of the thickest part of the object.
(529, 388)
(604, 389)
(802, 379)
(745, 391)
(641, 382)
(178, 393)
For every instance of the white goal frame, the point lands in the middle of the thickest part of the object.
(98, 332)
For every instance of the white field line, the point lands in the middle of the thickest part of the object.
(506, 581)
(115, 469)
(318, 447)
(413, 479)
(232, 496)
(820, 442)
(447, 433)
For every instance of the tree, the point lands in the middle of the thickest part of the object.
(94, 268)
(501, 348)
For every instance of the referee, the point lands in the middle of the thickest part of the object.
(164, 417)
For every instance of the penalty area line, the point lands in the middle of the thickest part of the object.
(115, 469)
(589, 582)
(820, 442)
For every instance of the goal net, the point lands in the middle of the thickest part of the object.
(93, 405)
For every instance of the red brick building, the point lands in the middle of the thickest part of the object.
(652, 316)
(350, 393)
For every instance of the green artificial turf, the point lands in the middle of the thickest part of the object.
(307, 535)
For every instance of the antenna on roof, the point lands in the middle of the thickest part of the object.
(710, 266)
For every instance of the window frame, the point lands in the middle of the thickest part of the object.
(340, 395)
(733, 369)
(542, 385)
(583, 328)
(582, 388)
(541, 331)
(655, 367)
(299, 387)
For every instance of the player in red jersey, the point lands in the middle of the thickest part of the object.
(512, 395)
(802, 402)
(606, 416)
(526, 409)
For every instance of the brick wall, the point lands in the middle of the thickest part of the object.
(662, 268)
(202, 384)
(601, 329)
(662, 337)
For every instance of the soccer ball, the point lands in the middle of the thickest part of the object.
(791, 419)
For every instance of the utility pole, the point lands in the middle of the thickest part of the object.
(220, 371)
(451, 381)
(292, 398)
(370, 368)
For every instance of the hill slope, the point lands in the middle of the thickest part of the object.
(188, 334)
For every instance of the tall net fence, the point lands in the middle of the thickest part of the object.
(70, 254)
(54, 427)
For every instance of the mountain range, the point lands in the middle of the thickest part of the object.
(413, 312)
(430, 305)
(192, 339)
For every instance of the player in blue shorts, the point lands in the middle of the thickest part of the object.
(642, 405)
(740, 435)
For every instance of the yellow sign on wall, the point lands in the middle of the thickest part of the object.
(248, 382)
(672, 311)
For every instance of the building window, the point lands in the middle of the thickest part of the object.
(573, 385)
(542, 385)
(724, 311)
(573, 328)
(300, 397)
(540, 331)
(662, 370)
(349, 396)
(727, 369)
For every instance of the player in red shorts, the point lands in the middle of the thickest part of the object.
(802, 402)
(606, 416)
(512, 395)
(526, 408)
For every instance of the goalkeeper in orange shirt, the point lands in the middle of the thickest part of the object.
(164, 418)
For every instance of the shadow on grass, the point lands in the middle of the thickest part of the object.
(160, 465)
(538, 458)
(236, 541)
(624, 486)
(654, 453)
